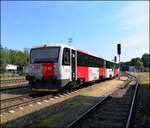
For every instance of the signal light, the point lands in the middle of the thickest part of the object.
(119, 49)
(115, 58)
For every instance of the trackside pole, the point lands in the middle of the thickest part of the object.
(119, 52)
(119, 64)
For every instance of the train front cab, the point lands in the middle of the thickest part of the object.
(51, 75)
(68, 67)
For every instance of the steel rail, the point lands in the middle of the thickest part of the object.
(12, 81)
(12, 107)
(130, 78)
(33, 100)
(132, 104)
(87, 112)
(14, 87)
(14, 98)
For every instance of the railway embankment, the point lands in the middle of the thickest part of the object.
(60, 110)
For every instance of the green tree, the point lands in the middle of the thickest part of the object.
(15, 57)
(124, 66)
(19, 57)
(26, 55)
(134, 60)
(139, 65)
(146, 60)
(2, 60)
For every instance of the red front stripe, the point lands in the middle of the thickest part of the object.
(48, 70)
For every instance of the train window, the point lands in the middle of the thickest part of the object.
(44, 55)
(88, 60)
(82, 59)
(101, 62)
(108, 64)
(66, 57)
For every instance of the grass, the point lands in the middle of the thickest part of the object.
(144, 78)
(50, 120)
(145, 89)
(55, 117)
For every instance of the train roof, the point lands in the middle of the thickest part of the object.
(64, 45)
(112, 61)
(53, 45)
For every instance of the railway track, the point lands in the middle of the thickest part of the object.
(12, 87)
(7, 104)
(12, 81)
(21, 101)
(13, 84)
(13, 98)
(115, 110)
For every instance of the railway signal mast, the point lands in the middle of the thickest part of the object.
(115, 59)
(119, 53)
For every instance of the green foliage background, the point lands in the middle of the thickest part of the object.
(19, 58)
(15, 57)
(144, 61)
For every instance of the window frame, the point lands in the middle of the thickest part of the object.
(44, 48)
(63, 61)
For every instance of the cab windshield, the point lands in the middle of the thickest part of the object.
(44, 55)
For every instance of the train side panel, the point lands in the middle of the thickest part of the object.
(93, 73)
(101, 72)
(109, 73)
(83, 72)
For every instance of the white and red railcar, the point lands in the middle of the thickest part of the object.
(52, 67)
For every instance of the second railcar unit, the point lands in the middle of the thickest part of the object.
(52, 67)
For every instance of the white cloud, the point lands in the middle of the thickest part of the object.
(134, 16)
(133, 22)
(134, 40)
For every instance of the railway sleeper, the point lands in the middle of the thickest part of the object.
(121, 94)
(111, 117)
(116, 109)
(117, 104)
(119, 101)
(107, 124)
(113, 113)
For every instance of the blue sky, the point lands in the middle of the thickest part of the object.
(96, 27)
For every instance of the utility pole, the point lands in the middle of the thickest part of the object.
(119, 53)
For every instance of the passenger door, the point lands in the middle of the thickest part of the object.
(73, 64)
